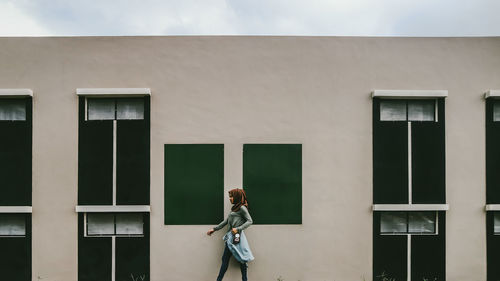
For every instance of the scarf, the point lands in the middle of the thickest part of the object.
(239, 199)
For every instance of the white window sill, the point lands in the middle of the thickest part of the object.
(492, 207)
(113, 92)
(409, 94)
(492, 94)
(410, 207)
(16, 92)
(113, 209)
(16, 209)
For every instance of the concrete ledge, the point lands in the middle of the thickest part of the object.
(113, 92)
(16, 209)
(492, 94)
(408, 94)
(16, 92)
(112, 209)
(411, 207)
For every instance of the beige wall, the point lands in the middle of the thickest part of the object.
(235, 90)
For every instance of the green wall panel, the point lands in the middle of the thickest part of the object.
(194, 183)
(272, 179)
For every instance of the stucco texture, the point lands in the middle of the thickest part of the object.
(235, 90)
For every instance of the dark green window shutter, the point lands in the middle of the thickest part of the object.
(428, 254)
(95, 160)
(15, 154)
(94, 255)
(390, 254)
(428, 160)
(390, 159)
(492, 154)
(15, 260)
(272, 179)
(132, 255)
(194, 183)
(492, 188)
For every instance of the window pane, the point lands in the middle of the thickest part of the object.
(130, 109)
(12, 225)
(393, 222)
(129, 224)
(496, 111)
(496, 224)
(422, 222)
(101, 109)
(421, 110)
(392, 110)
(12, 109)
(100, 224)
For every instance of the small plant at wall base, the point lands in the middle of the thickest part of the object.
(385, 277)
(138, 278)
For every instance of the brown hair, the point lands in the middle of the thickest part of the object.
(239, 199)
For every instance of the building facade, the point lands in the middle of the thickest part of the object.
(362, 158)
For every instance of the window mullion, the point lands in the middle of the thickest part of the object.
(115, 103)
(408, 222)
(406, 103)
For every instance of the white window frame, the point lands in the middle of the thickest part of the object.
(406, 95)
(12, 210)
(85, 233)
(495, 95)
(411, 207)
(492, 94)
(111, 93)
(16, 93)
(109, 209)
(495, 213)
(407, 106)
(115, 101)
(411, 94)
(436, 230)
(16, 210)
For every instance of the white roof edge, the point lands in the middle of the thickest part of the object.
(492, 94)
(16, 209)
(16, 92)
(109, 208)
(411, 207)
(409, 94)
(113, 91)
(492, 207)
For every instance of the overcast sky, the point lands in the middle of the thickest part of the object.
(250, 17)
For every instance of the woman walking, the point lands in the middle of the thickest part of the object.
(238, 220)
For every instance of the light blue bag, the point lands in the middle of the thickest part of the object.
(240, 251)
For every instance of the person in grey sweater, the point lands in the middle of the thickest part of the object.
(238, 219)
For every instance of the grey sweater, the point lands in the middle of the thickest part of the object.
(239, 220)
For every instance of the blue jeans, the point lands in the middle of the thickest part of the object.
(225, 263)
